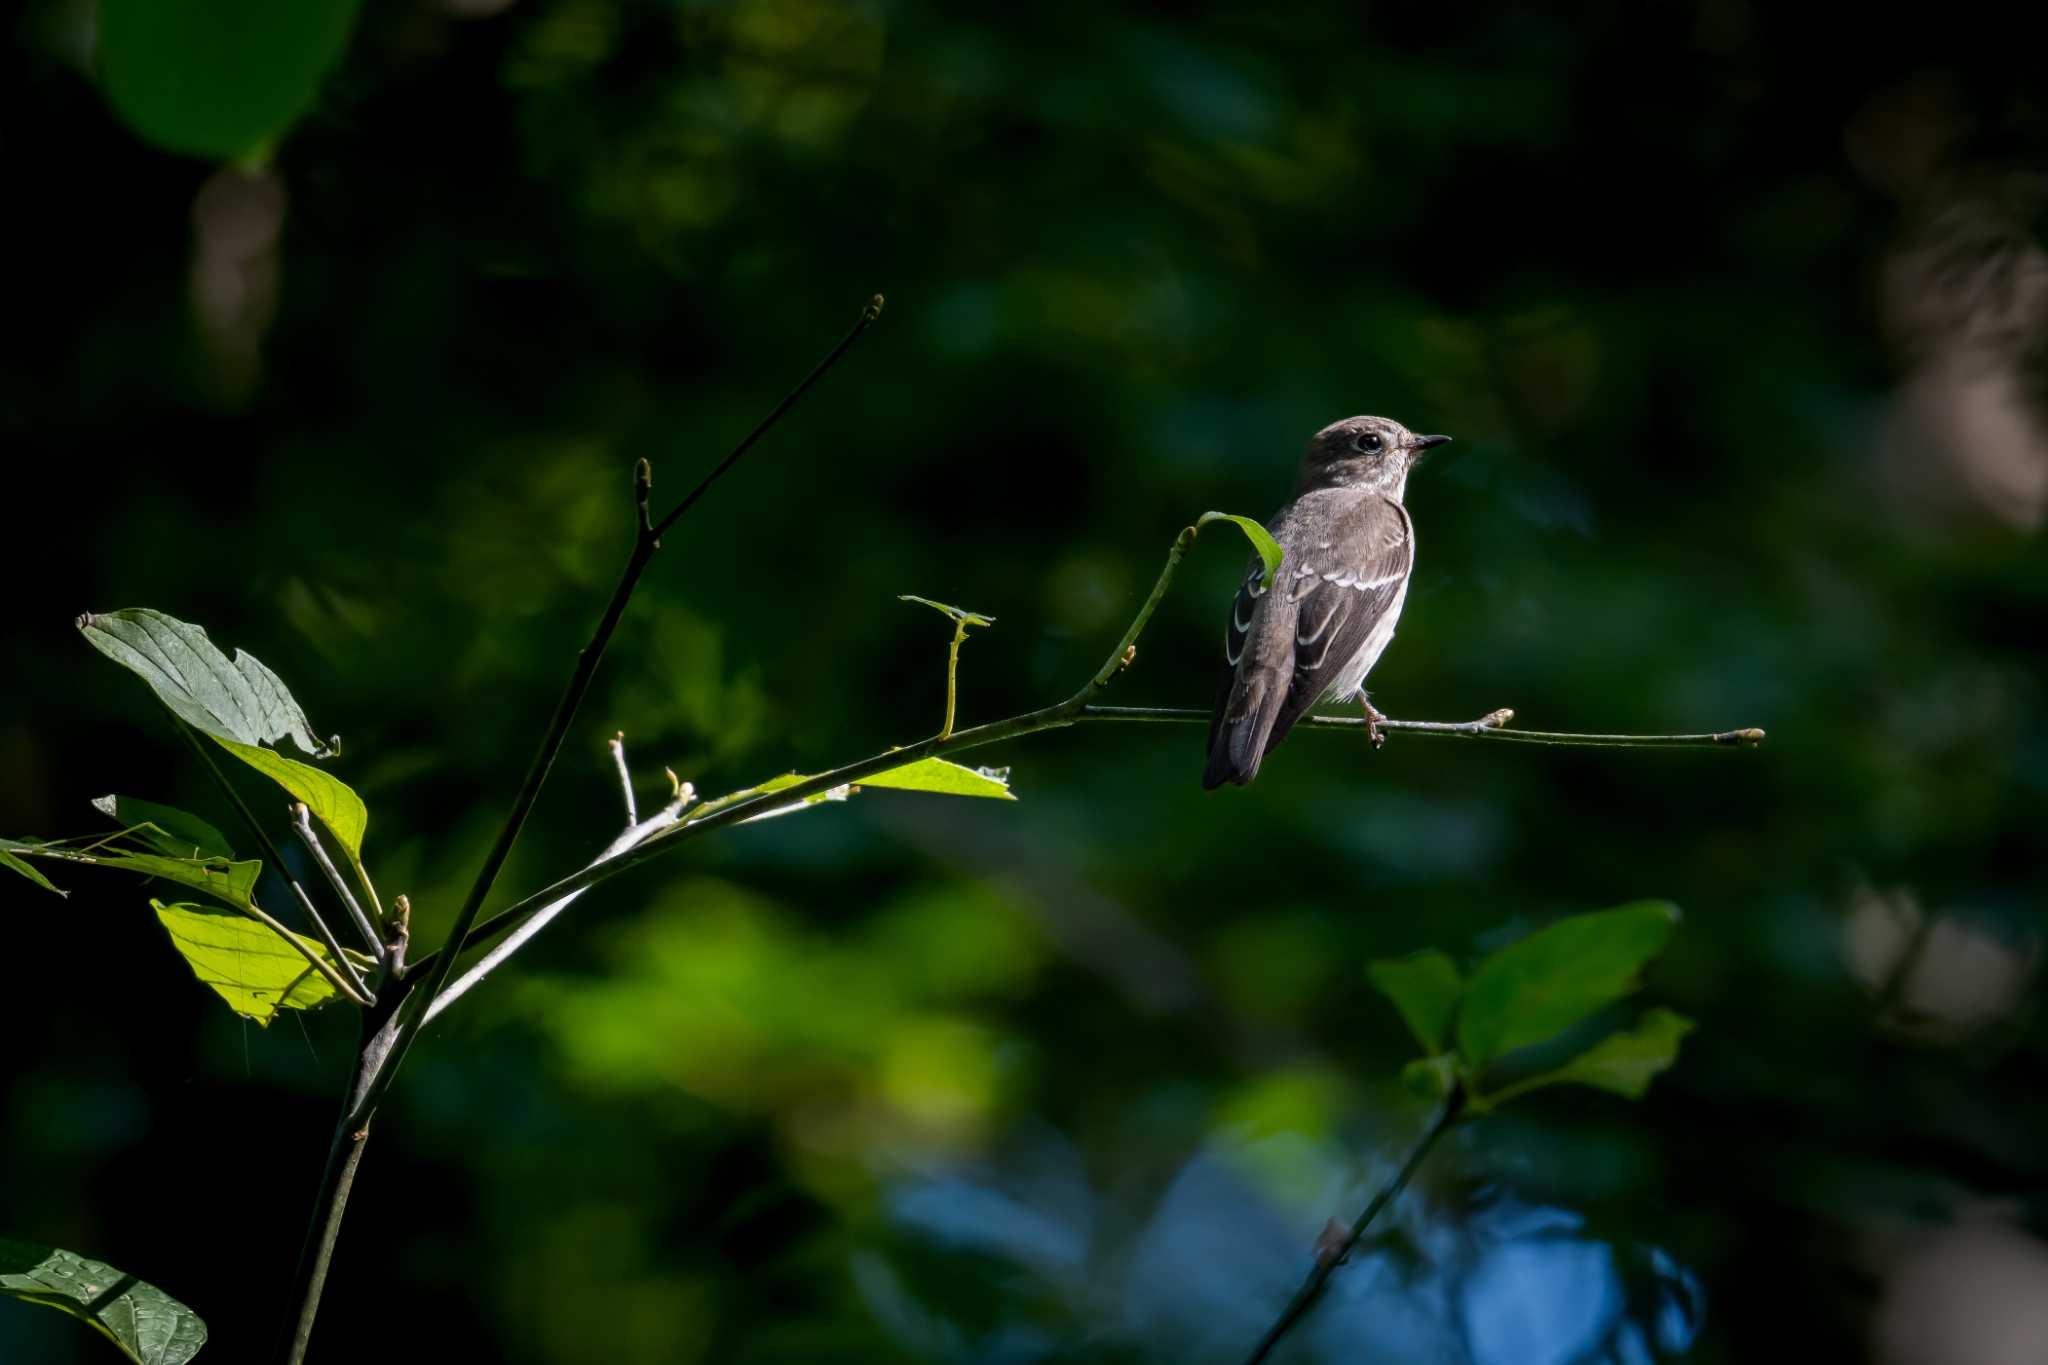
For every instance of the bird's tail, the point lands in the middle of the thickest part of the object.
(1244, 722)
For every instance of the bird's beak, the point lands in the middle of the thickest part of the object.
(1418, 444)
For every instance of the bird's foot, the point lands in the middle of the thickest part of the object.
(1372, 724)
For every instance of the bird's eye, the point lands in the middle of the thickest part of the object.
(1366, 441)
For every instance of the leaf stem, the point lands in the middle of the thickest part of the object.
(1326, 1264)
(952, 674)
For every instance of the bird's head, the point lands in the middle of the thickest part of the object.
(1363, 452)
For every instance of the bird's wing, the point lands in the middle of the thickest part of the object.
(1303, 634)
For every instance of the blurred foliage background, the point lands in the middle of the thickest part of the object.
(1739, 315)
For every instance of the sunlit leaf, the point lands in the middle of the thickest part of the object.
(1533, 990)
(148, 1325)
(219, 79)
(327, 796)
(1424, 988)
(246, 963)
(14, 864)
(241, 701)
(1267, 547)
(166, 829)
(960, 614)
(1624, 1063)
(948, 779)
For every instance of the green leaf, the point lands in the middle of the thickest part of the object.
(947, 779)
(960, 614)
(149, 1326)
(167, 829)
(1431, 1077)
(1624, 1063)
(245, 963)
(8, 860)
(221, 79)
(231, 883)
(328, 797)
(1268, 548)
(1424, 988)
(1535, 989)
(240, 701)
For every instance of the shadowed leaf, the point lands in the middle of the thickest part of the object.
(221, 79)
(1535, 989)
(148, 1325)
(1424, 988)
(9, 861)
(168, 830)
(1624, 1063)
(240, 700)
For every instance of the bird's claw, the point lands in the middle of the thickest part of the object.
(1372, 726)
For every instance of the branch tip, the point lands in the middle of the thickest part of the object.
(873, 310)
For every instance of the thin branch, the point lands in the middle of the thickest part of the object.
(1327, 1260)
(867, 318)
(635, 833)
(617, 744)
(341, 973)
(1492, 726)
(379, 1061)
(302, 822)
(953, 676)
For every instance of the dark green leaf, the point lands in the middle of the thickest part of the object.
(1424, 988)
(231, 883)
(148, 1325)
(166, 829)
(12, 863)
(1268, 548)
(1535, 989)
(219, 79)
(1431, 1077)
(241, 701)
(960, 614)
(1624, 1063)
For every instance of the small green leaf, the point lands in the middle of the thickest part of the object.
(1624, 1063)
(245, 963)
(166, 829)
(149, 1326)
(8, 860)
(240, 701)
(221, 79)
(327, 796)
(947, 779)
(1431, 1077)
(960, 614)
(1268, 548)
(1535, 989)
(1424, 988)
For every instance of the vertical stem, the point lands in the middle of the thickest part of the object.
(952, 675)
(1327, 1264)
(316, 1253)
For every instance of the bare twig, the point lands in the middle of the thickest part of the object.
(1491, 726)
(617, 745)
(1329, 1257)
(302, 822)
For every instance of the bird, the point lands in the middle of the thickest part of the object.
(1348, 547)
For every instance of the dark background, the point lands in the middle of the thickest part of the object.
(1738, 314)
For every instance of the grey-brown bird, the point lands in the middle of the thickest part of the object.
(1313, 636)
